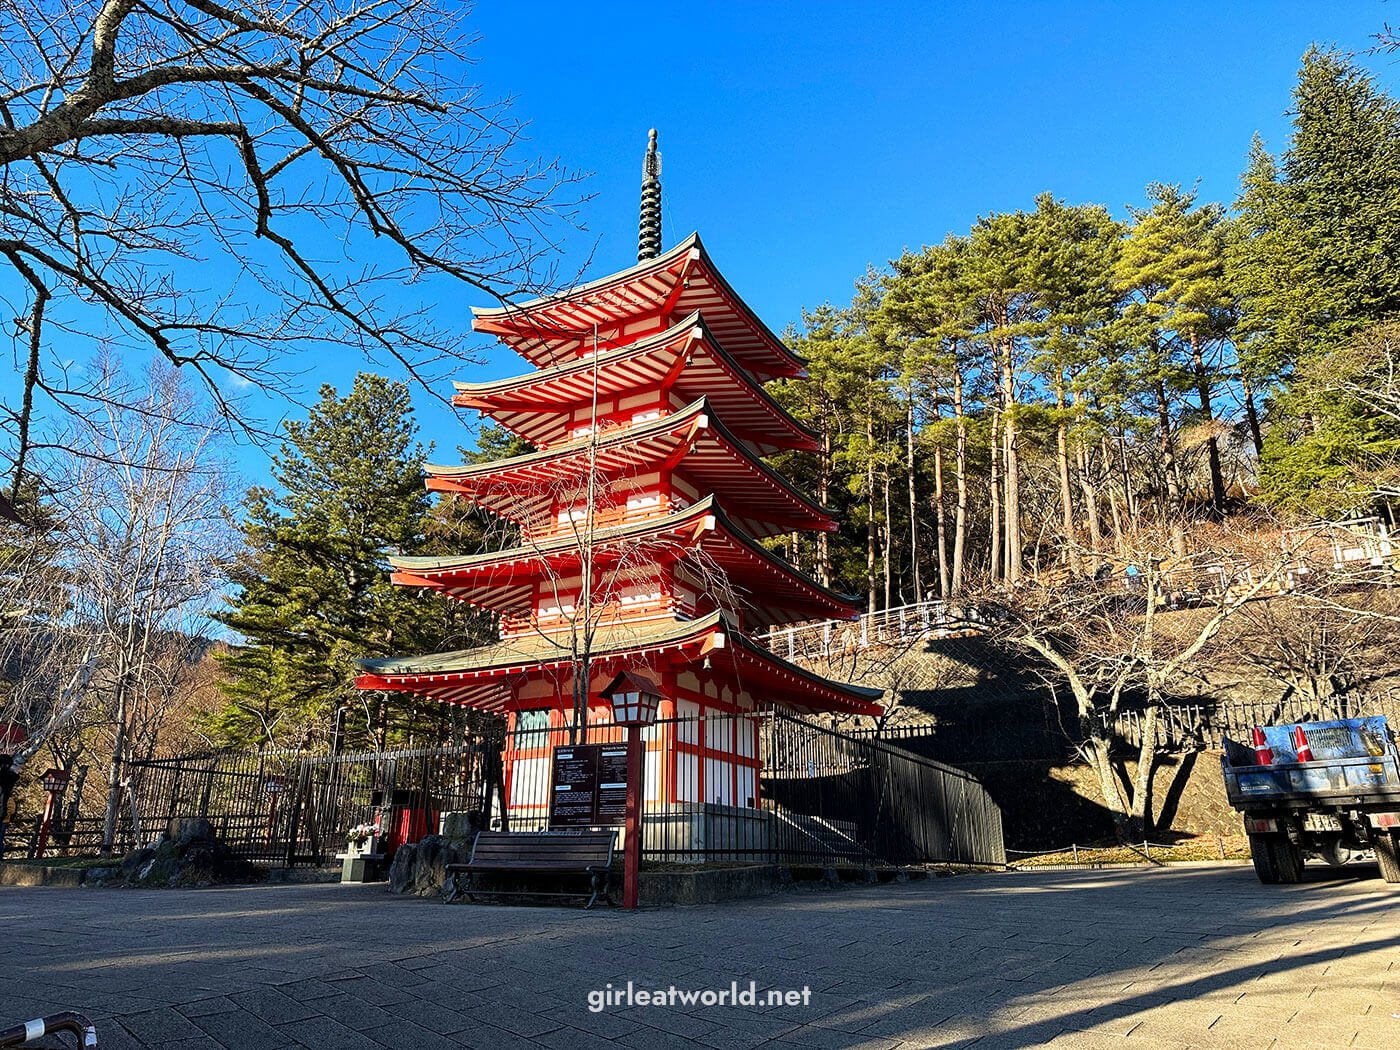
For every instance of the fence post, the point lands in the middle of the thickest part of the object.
(1075, 847)
(294, 828)
(1220, 846)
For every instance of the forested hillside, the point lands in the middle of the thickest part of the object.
(1030, 395)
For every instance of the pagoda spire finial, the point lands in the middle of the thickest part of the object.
(649, 233)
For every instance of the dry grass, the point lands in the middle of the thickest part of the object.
(1205, 847)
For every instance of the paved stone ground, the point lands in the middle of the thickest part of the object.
(1153, 959)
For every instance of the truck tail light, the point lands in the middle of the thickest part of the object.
(1260, 825)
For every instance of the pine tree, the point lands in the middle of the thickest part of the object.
(312, 591)
(1075, 251)
(929, 308)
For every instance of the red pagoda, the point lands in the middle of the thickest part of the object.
(635, 528)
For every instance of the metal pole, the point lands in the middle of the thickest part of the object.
(28, 1031)
(632, 848)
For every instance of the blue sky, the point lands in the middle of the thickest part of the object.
(806, 141)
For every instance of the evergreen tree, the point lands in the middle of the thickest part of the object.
(312, 591)
(1181, 313)
(929, 307)
(1318, 260)
(1075, 251)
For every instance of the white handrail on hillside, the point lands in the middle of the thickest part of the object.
(885, 626)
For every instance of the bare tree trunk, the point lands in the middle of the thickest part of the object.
(1120, 521)
(1217, 477)
(887, 535)
(1099, 750)
(114, 770)
(1142, 783)
(1076, 563)
(1090, 494)
(1013, 473)
(823, 493)
(994, 496)
(960, 467)
(870, 538)
(1175, 509)
(1252, 414)
(939, 523)
(913, 501)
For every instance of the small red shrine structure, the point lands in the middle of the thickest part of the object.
(636, 526)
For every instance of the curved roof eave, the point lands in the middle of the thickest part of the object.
(694, 319)
(657, 263)
(623, 435)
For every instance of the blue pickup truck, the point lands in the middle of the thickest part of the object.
(1317, 789)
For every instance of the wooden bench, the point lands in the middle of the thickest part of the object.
(537, 853)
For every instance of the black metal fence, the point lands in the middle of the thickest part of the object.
(78, 836)
(834, 794)
(292, 807)
(757, 788)
(1207, 724)
(771, 788)
(243, 796)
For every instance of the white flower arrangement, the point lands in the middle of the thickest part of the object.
(360, 834)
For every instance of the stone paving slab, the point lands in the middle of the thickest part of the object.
(1135, 959)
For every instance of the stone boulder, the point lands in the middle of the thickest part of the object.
(421, 868)
(188, 853)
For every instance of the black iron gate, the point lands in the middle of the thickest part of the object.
(292, 807)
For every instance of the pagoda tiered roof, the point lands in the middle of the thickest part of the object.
(482, 677)
(650, 422)
(686, 357)
(693, 442)
(644, 298)
(503, 581)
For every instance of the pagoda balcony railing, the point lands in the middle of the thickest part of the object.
(604, 517)
(608, 614)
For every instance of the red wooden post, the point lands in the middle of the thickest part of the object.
(44, 827)
(53, 781)
(632, 847)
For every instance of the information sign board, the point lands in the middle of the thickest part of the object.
(588, 786)
(612, 784)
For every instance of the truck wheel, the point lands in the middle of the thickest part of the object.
(1288, 859)
(1262, 854)
(1388, 855)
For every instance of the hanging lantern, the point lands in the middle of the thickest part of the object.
(54, 780)
(634, 696)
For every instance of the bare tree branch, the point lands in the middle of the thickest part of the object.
(231, 185)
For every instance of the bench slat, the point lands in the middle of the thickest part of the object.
(580, 853)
